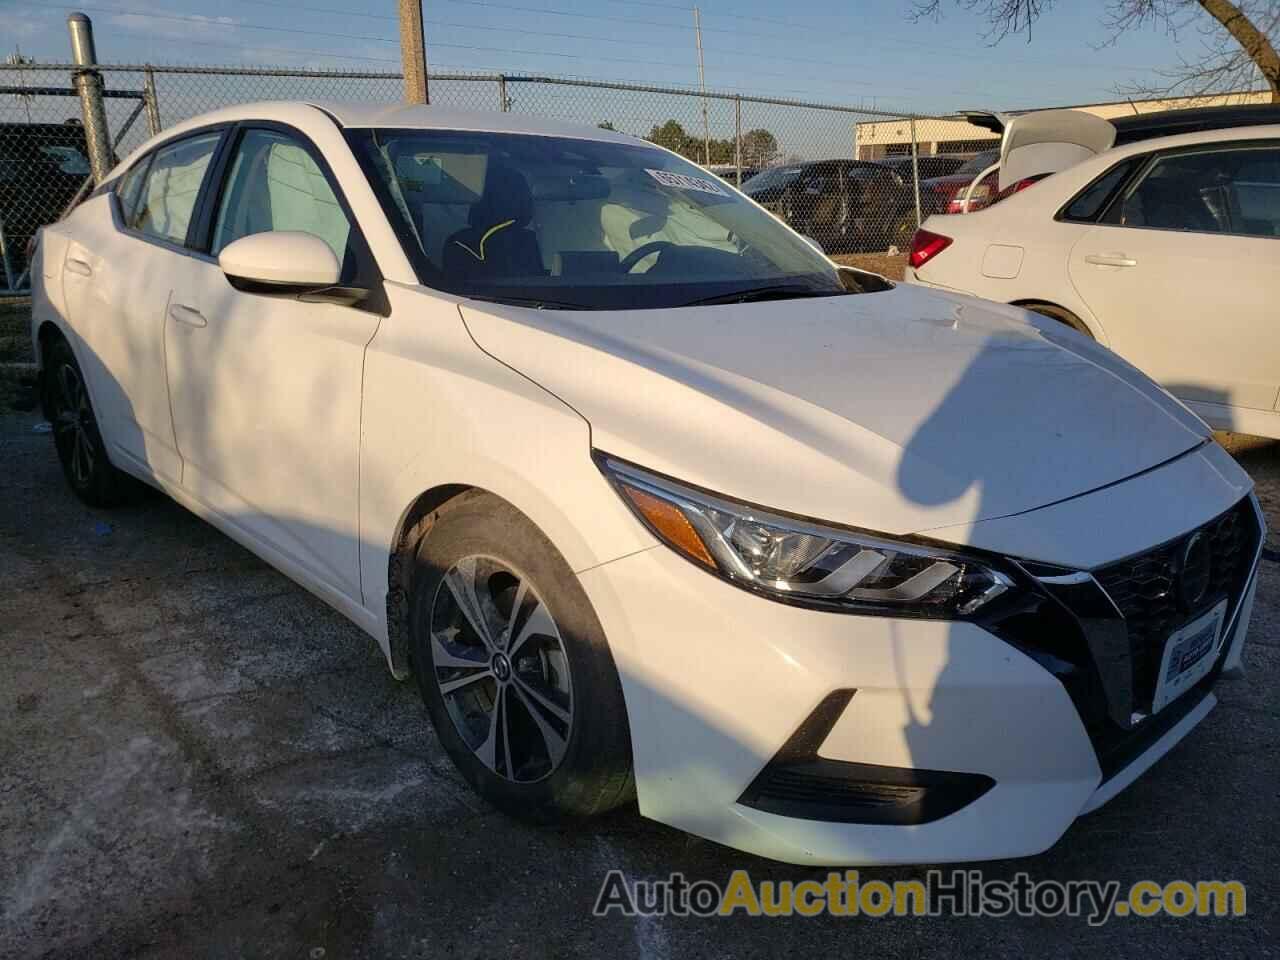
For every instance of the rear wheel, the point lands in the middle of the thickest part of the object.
(1061, 315)
(514, 668)
(75, 431)
(901, 230)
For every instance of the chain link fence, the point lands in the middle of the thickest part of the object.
(853, 179)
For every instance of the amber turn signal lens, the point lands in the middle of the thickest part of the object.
(670, 524)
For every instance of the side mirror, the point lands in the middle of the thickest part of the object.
(286, 263)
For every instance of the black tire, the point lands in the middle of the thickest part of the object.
(901, 231)
(481, 539)
(1060, 314)
(76, 436)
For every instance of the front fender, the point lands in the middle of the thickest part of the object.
(438, 411)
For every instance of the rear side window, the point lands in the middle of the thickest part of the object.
(1234, 190)
(172, 186)
(1090, 202)
(129, 187)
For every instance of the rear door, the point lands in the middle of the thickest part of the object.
(1183, 272)
(265, 388)
(116, 280)
(819, 196)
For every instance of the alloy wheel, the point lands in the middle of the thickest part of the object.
(500, 665)
(72, 424)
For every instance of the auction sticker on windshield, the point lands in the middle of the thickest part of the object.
(683, 181)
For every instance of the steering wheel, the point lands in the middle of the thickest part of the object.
(644, 250)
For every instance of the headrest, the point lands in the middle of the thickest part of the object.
(506, 196)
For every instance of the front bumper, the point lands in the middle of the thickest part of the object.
(719, 682)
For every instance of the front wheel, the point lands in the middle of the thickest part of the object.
(514, 667)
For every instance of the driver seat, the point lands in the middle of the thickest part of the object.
(497, 243)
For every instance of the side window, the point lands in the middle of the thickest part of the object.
(172, 187)
(129, 186)
(274, 184)
(1234, 191)
(1093, 199)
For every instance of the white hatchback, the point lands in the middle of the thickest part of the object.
(1166, 250)
(653, 499)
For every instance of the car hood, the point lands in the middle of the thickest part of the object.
(899, 411)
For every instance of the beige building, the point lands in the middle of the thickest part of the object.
(875, 139)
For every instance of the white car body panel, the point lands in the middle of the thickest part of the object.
(292, 478)
(1177, 309)
(308, 433)
(865, 425)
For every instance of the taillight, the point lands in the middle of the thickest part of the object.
(925, 245)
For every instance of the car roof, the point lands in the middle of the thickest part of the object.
(416, 116)
(1166, 123)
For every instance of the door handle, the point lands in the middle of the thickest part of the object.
(77, 266)
(188, 315)
(1110, 260)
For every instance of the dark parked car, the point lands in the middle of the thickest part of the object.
(930, 167)
(729, 172)
(843, 204)
(946, 194)
(42, 166)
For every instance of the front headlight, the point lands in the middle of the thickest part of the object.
(799, 562)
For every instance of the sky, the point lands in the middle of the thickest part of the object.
(855, 52)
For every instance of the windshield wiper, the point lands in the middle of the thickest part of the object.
(537, 303)
(781, 291)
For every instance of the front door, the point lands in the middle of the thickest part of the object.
(266, 389)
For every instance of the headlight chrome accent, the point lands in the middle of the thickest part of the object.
(801, 562)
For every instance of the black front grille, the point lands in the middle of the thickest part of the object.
(1145, 589)
(1069, 630)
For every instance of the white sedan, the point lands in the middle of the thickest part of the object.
(1166, 250)
(652, 499)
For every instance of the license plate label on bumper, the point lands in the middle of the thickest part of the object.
(1188, 656)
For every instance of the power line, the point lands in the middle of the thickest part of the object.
(202, 21)
(824, 32)
(691, 88)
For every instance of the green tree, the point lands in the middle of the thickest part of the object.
(759, 148)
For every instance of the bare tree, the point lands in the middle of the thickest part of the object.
(1236, 37)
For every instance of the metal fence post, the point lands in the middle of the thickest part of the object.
(88, 84)
(153, 106)
(915, 168)
(503, 103)
(737, 136)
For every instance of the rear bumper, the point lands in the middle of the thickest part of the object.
(719, 684)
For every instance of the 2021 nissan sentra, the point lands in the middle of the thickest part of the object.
(652, 498)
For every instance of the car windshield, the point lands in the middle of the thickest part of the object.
(578, 223)
(975, 165)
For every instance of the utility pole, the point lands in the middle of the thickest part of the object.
(88, 84)
(413, 52)
(702, 85)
